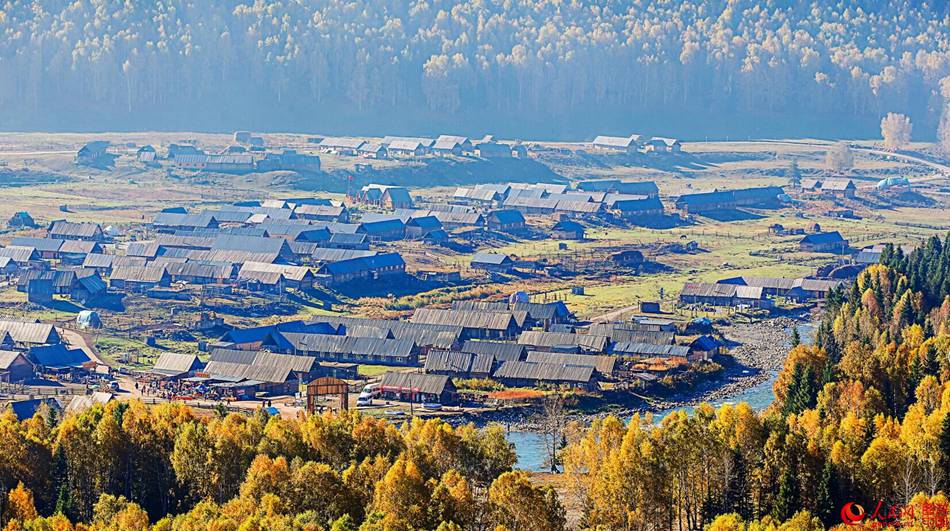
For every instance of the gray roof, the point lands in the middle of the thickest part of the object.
(535, 310)
(31, 333)
(490, 258)
(19, 253)
(438, 336)
(448, 361)
(618, 332)
(174, 363)
(603, 364)
(341, 143)
(500, 350)
(555, 339)
(432, 384)
(150, 273)
(458, 362)
(173, 219)
(544, 372)
(65, 229)
(143, 249)
(336, 255)
(628, 348)
(427, 142)
(824, 238)
(464, 318)
(701, 289)
(615, 141)
(40, 244)
(359, 346)
(264, 366)
(7, 357)
(319, 210)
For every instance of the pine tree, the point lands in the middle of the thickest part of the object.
(801, 391)
(824, 497)
(945, 447)
(796, 337)
(794, 174)
(737, 498)
(786, 502)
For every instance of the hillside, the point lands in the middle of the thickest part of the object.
(522, 68)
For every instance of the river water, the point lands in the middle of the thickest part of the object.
(530, 445)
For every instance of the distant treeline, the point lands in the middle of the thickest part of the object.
(518, 68)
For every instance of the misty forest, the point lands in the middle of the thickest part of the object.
(517, 67)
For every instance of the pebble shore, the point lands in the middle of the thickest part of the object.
(758, 347)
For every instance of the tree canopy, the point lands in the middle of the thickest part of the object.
(676, 67)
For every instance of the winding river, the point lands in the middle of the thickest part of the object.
(530, 446)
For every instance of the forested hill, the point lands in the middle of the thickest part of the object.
(519, 68)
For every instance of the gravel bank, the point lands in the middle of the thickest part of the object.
(758, 347)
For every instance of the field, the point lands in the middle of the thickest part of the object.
(45, 182)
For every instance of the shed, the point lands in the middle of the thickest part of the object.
(416, 387)
(568, 230)
(14, 367)
(501, 263)
(21, 220)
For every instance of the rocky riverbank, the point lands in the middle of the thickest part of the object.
(757, 347)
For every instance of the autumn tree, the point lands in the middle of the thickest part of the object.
(516, 503)
(895, 128)
(839, 158)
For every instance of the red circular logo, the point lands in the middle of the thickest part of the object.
(852, 513)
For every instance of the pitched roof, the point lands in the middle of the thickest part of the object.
(260, 366)
(632, 348)
(500, 350)
(19, 253)
(341, 143)
(33, 333)
(58, 356)
(603, 364)
(556, 339)
(448, 361)
(507, 217)
(350, 345)
(701, 289)
(366, 263)
(7, 357)
(150, 273)
(40, 244)
(175, 363)
(79, 247)
(67, 229)
(174, 219)
(615, 141)
(405, 145)
(824, 238)
(550, 372)
(289, 272)
(490, 258)
(463, 318)
(432, 384)
(26, 409)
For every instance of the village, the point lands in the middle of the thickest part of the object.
(440, 300)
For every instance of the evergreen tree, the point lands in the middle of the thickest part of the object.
(945, 447)
(786, 502)
(796, 337)
(802, 390)
(824, 495)
(794, 174)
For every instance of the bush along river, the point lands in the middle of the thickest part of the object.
(762, 346)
